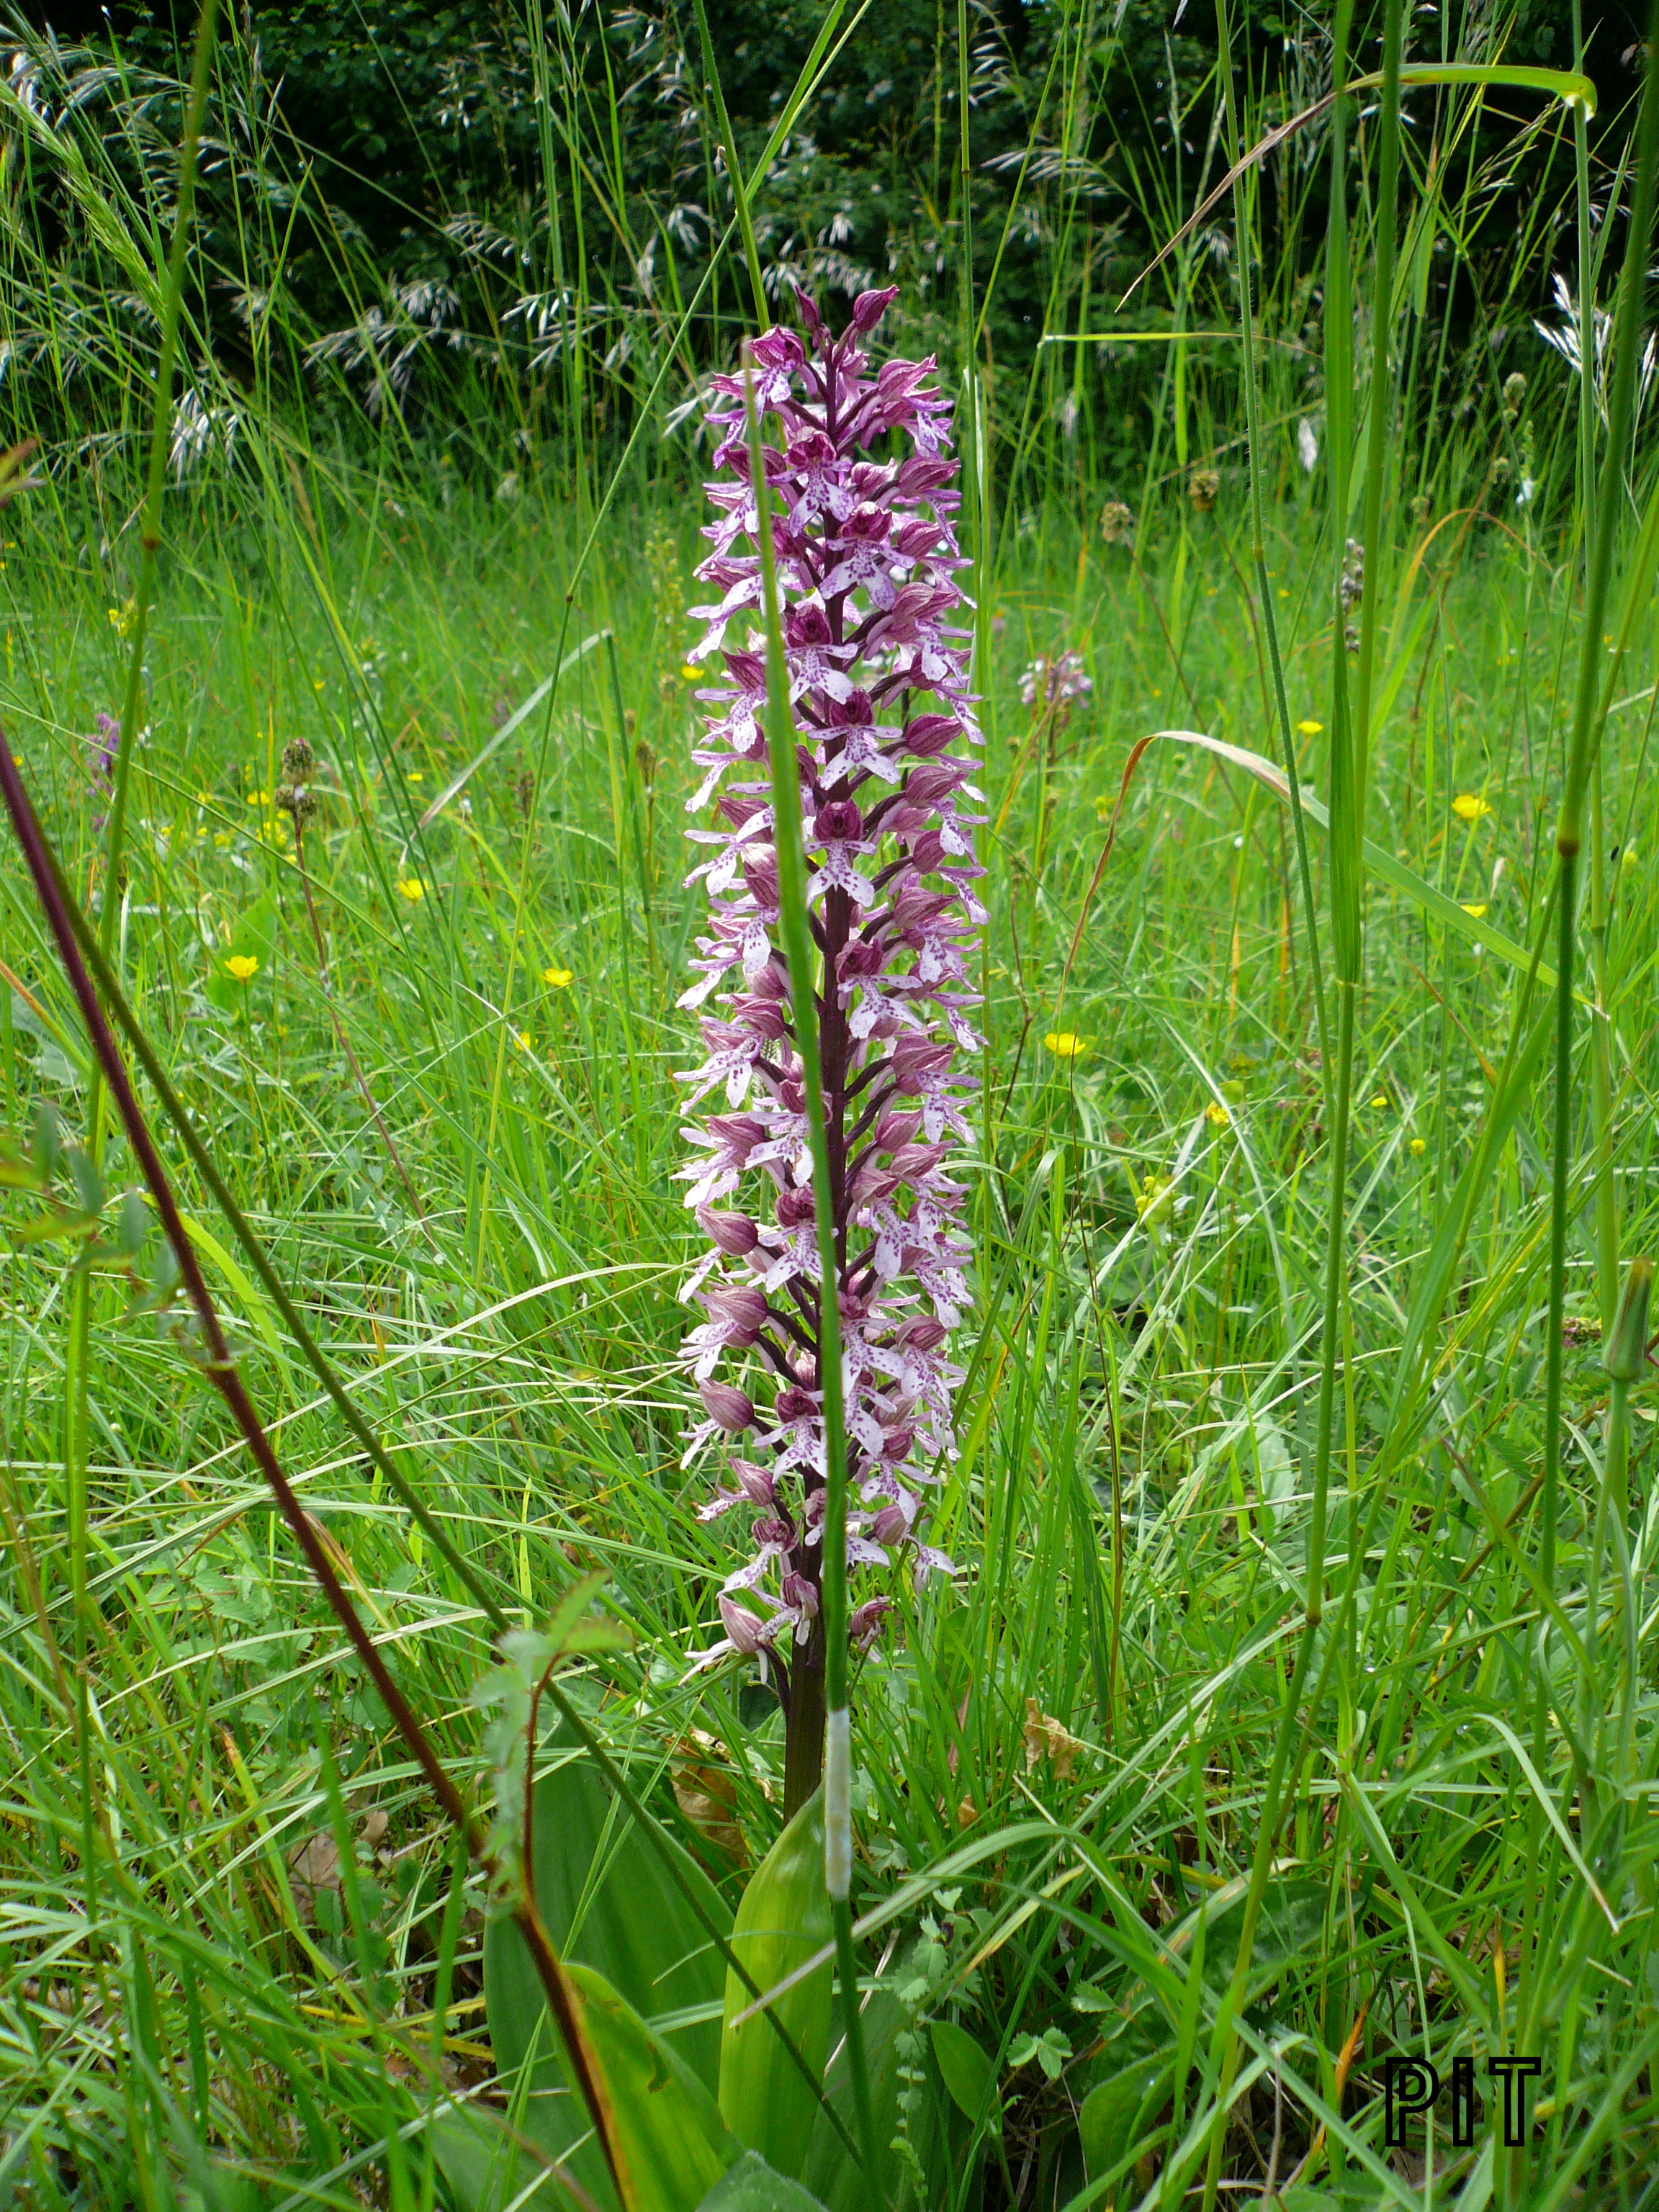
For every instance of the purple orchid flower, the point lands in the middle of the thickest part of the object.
(103, 744)
(867, 563)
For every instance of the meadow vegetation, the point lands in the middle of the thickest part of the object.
(1303, 1527)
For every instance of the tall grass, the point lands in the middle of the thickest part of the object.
(1295, 1705)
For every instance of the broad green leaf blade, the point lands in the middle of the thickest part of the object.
(489, 2162)
(753, 2186)
(937, 2137)
(1108, 2120)
(1291, 1929)
(608, 1903)
(784, 1918)
(967, 2071)
(671, 2144)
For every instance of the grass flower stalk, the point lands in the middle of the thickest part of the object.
(1243, 235)
(149, 535)
(114, 749)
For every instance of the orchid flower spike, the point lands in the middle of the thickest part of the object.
(858, 461)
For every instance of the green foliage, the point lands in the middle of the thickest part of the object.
(782, 1922)
(230, 1973)
(751, 2186)
(606, 1900)
(673, 2147)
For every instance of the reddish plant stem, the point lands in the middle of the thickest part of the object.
(564, 2000)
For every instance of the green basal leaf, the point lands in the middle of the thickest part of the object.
(1114, 2115)
(784, 1918)
(672, 2145)
(967, 2071)
(607, 1902)
(751, 2186)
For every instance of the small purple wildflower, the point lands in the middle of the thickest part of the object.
(103, 744)
(867, 563)
(1056, 682)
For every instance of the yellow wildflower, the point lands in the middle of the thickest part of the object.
(558, 977)
(1065, 1044)
(1417, 1147)
(1381, 1099)
(521, 1038)
(243, 966)
(123, 619)
(1217, 1114)
(416, 776)
(222, 838)
(258, 798)
(1474, 912)
(1309, 729)
(412, 888)
(1469, 808)
(690, 672)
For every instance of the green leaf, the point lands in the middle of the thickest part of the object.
(670, 2141)
(47, 1140)
(132, 1224)
(784, 1918)
(898, 2060)
(967, 2072)
(1290, 1931)
(1567, 85)
(489, 2162)
(752, 2186)
(45, 1228)
(669, 2138)
(608, 1902)
(88, 1183)
(1110, 2121)
(17, 1172)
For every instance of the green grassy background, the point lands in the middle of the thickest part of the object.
(1060, 1757)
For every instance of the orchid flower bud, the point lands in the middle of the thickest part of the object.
(723, 1402)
